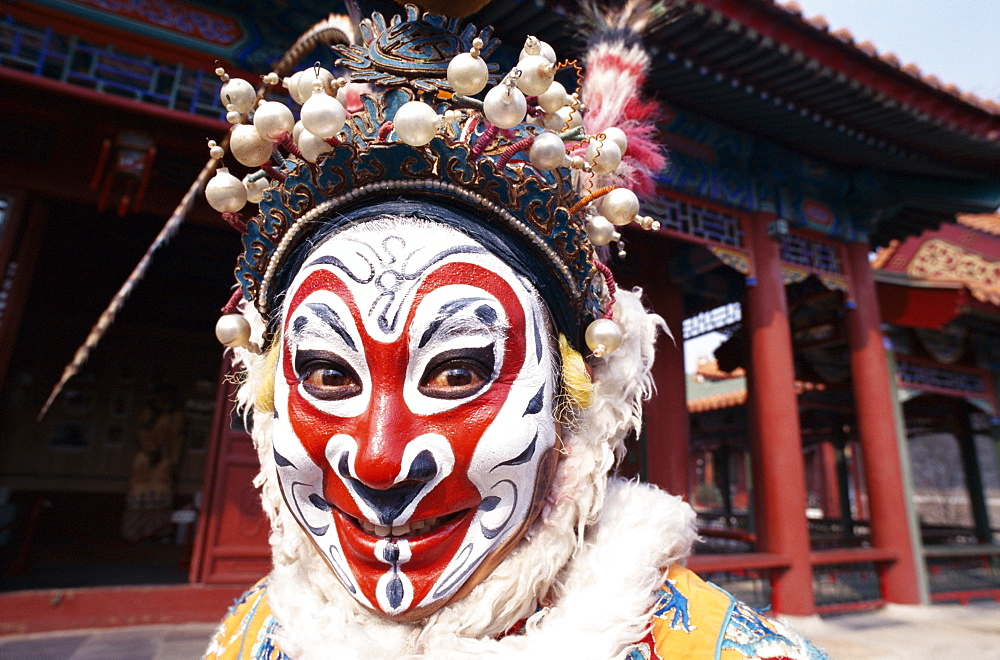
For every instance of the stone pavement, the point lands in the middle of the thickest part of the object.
(903, 632)
(169, 642)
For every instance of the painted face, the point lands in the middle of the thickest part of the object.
(413, 403)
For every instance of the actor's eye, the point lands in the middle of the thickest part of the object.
(455, 379)
(458, 373)
(325, 377)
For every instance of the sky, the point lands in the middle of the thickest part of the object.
(956, 40)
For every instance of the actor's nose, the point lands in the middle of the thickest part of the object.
(382, 436)
(389, 503)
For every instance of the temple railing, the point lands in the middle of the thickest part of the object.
(847, 579)
(747, 576)
(963, 573)
(844, 580)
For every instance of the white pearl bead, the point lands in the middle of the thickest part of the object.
(603, 155)
(599, 230)
(617, 136)
(291, 83)
(564, 119)
(233, 330)
(255, 189)
(312, 146)
(620, 206)
(603, 337)
(248, 146)
(535, 76)
(296, 130)
(548, 152)
(215, 151)
(225, 193)
(323, 115)
(505, 107)
(547, 51)
(306, 81)
(238, 93)
(233, 117)
(553, 98)
(543, 49)
(415, 123)
(467, 75)
(271, 118)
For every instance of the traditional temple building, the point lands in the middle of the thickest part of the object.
(807, 438)
(940, 294)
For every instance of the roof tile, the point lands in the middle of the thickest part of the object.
(890, 58)
(844, 35)
(988, 223)
(868, 48)
(932, 80)
(819, 23)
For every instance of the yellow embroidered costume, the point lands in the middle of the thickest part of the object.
(692, 620)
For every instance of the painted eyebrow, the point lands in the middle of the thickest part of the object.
(486, 315)
(334, 261)
(330, 318)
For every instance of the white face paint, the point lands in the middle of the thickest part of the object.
(413, 401)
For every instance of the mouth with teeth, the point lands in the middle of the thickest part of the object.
(432, 541)
(406, 530)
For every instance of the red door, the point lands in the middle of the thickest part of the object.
(231, 546)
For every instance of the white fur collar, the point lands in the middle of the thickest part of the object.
(600, 601)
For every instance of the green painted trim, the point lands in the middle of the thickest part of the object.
(913, 520)
(148, 30)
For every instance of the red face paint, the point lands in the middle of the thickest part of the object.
(370, 477)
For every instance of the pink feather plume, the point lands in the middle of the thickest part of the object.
(612, 91)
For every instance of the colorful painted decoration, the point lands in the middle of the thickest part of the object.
(413, 410)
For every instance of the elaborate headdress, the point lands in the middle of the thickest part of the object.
(524, 166)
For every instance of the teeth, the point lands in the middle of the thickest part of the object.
(400, 530)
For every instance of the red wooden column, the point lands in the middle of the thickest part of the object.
(668, 428)
(775, 437)
(877, 432)
(831, 493)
